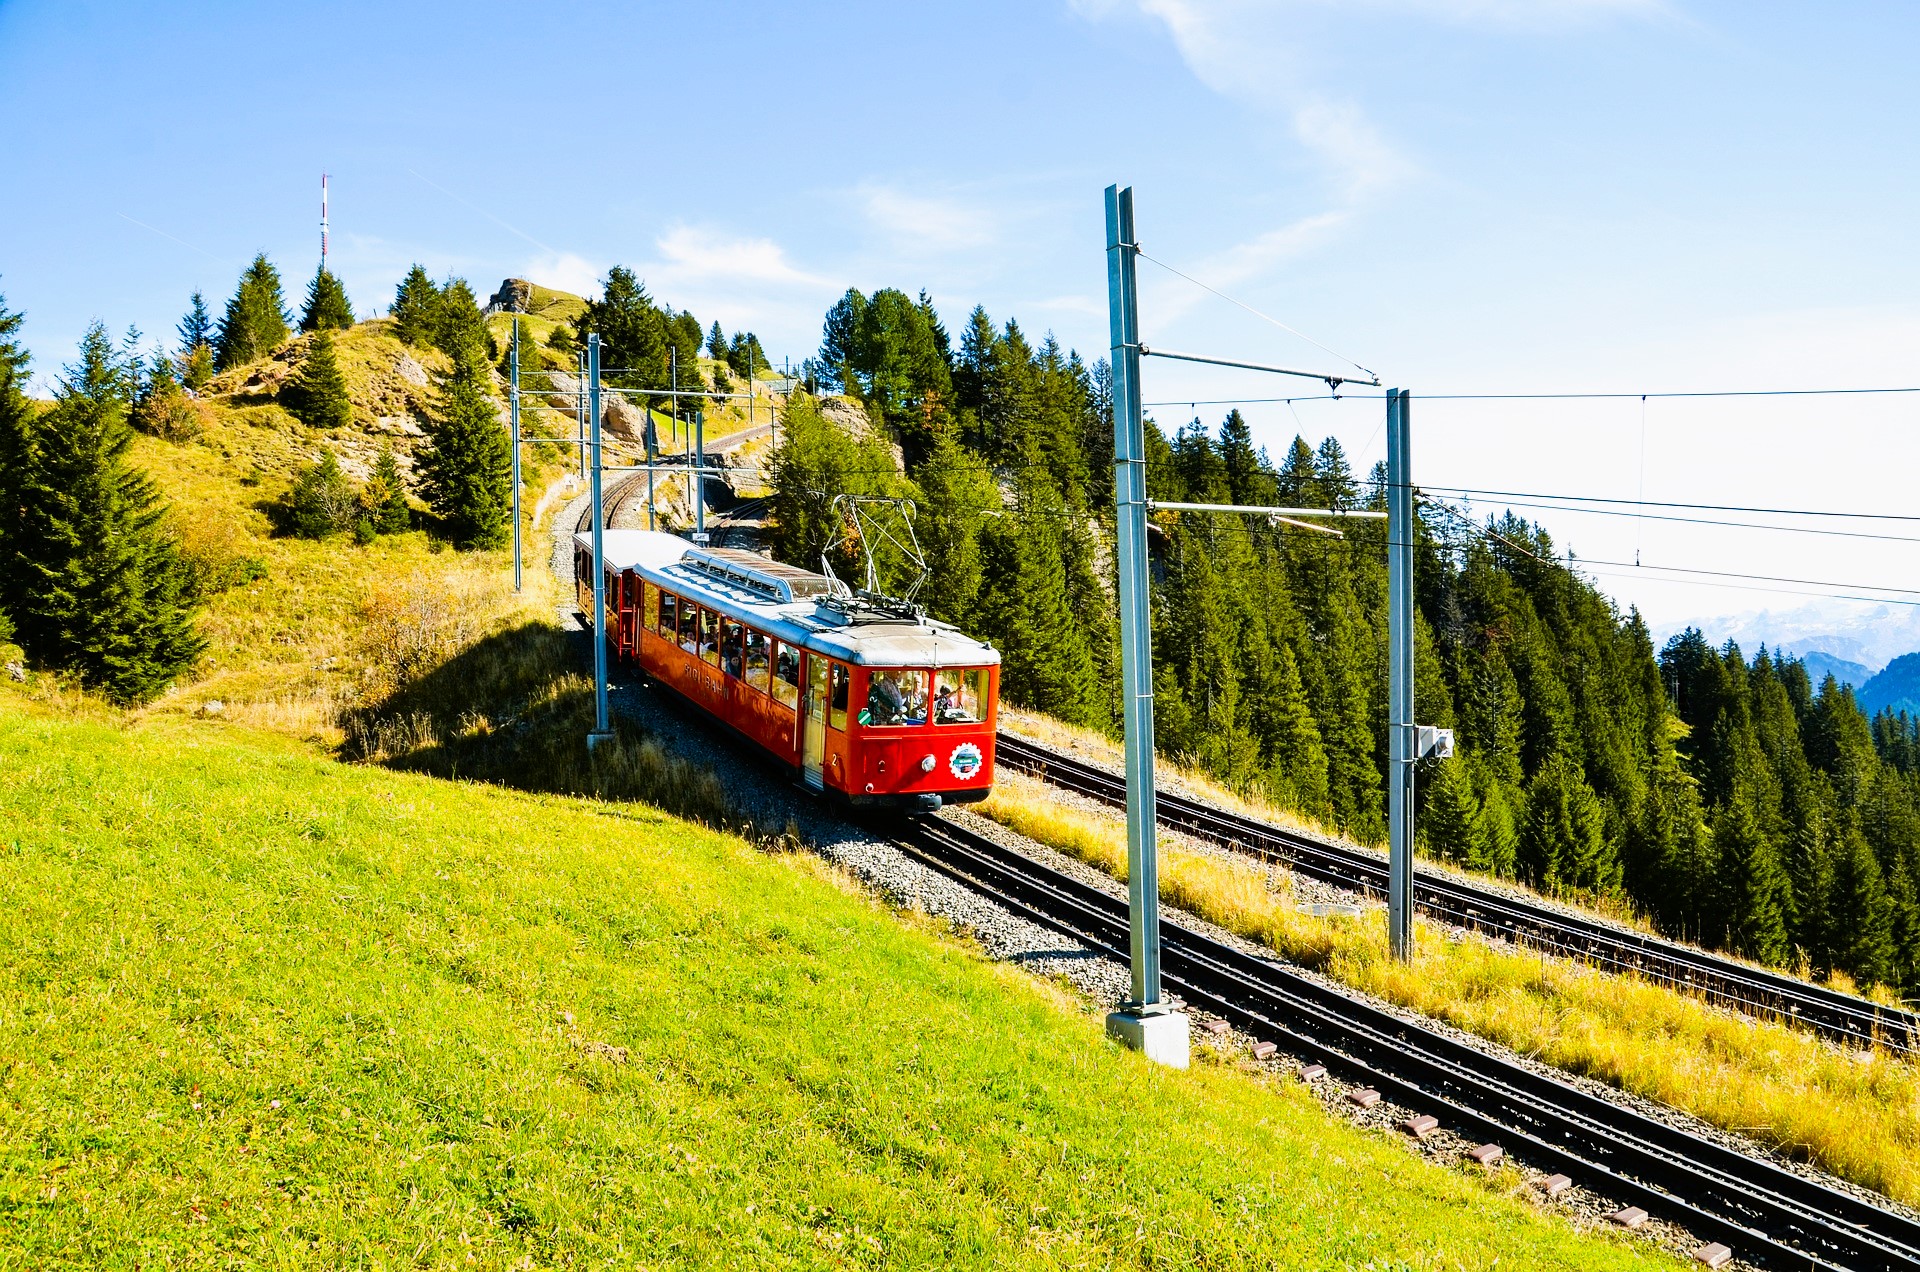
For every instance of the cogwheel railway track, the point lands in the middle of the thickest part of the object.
(1752, 990)
(1762, 1212)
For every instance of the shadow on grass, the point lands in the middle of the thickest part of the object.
(512, 710)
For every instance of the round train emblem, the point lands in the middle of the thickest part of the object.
(965, 761)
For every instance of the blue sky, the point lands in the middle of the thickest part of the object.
(1468, 195)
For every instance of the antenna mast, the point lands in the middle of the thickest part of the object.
(323, 222)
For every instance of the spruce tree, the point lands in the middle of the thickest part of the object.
(327, 308)
(458, 322)
(161, 408)
(1564, 840)
(1863, 944)
(466, 471)
(717, 343)
(195, 360)
(385, 499)
(1026, 611)
(633, 332)
(321, 502)
(955, 497)
(196, 328)
(1450, 815)
(18, 451)
(416, 309)
(317, 393)
(255, 323)
(196, 368)
(105, 591)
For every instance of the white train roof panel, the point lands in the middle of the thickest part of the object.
(746, 587)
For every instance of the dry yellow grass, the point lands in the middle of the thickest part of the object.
(1855, 1114)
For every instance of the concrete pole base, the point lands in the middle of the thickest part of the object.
(595, 738)
(1163, 1037)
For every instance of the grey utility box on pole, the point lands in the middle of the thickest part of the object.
(1402, 746)
(1147, 1022)
(601, 731)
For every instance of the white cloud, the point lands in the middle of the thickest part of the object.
(693, 253)
(925, 221)
(564, 271)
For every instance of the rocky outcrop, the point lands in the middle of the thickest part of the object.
(514, 296)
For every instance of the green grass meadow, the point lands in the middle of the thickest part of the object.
(260, 1009)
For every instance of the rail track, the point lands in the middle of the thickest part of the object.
(1760, 1211)
(1719, 980)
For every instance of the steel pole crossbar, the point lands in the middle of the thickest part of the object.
(1334, 380)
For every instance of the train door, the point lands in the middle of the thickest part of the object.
(813, 728)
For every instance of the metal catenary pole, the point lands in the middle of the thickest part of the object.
(697, 476)
(514, 398)
(580, 412)
(1401, 746)
(600, 730)
(1136, 647)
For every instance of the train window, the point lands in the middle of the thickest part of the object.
(710, 636)
(669, 614)
(650, 607)
(959, 697)
(786, 675)
(896, 695)
(730, 647)
(759, 664)
(689, 626)
(837, 703)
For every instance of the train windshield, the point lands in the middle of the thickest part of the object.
(960, 695)
(896, 695)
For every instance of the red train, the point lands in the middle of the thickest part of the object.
(866, 702)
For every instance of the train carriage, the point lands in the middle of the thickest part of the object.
(865, 701)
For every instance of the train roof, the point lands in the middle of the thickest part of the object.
(798, 606)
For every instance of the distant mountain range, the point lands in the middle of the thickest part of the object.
(1870, 647)
(1821, 665)
(1895, 686)
(1868, 636)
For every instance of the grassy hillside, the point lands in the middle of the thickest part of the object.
(265, 1009)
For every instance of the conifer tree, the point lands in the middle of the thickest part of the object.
(1450, 815)
(255, 323)
(956, 495)
(327, 308)
(160, 408)
(1297, 756)
(1564, 841)
(385, 499)
(195, 360)
(458, 321)
(744, 352)
(717, 343)
(196, 368)
(105, 591)
(633, 332)
(466, 470)
(322, 501)
(416, 309)
(317, 394)
(18, 452)
(1863, 941)
(1025, 609)
(839, 341)
(196, 328)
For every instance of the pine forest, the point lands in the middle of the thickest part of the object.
(1719, 792)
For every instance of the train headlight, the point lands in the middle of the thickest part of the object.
(926, 764)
